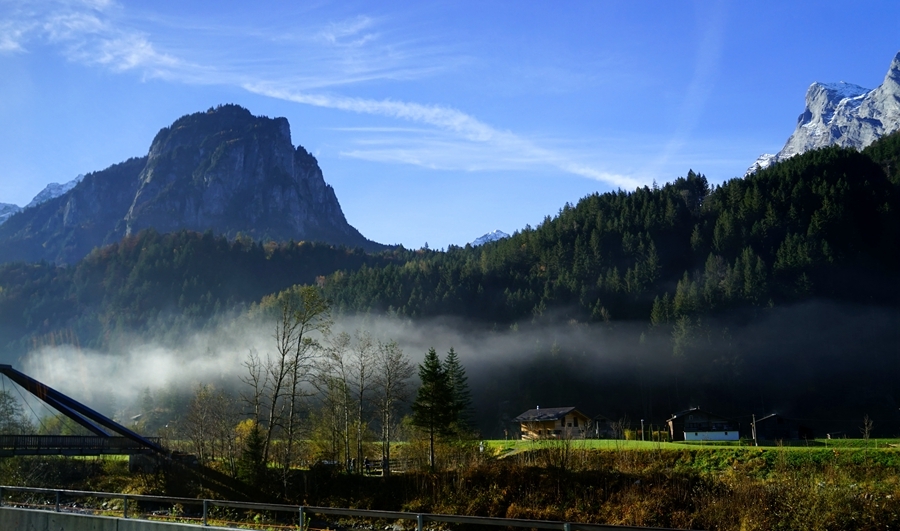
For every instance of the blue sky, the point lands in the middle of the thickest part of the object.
(440, 121)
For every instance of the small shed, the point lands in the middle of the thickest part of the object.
(553, 423)
(604, 428)
(696, 424)
(776, 427)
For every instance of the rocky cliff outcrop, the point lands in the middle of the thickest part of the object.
(224, 170)
(843, 114)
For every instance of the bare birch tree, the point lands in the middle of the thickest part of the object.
(362, 355)
(391, 373)
(333, 384)
(344, 384)
(276, 380)
(209, 424)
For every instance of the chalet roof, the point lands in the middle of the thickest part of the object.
(686, 412)
(546, 414)
(775, 416)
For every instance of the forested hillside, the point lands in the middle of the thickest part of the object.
(822, 225)
(151, 283)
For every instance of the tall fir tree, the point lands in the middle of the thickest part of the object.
(460, 396)
(432, 409)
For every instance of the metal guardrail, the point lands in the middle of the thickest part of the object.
(305, 512)
(69, 445)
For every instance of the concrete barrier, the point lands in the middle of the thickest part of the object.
(12, 518)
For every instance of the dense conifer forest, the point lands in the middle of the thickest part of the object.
(821, 225)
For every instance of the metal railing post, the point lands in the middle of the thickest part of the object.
(57, 501)
(1, 496)
(301, 522)
(419, 521)
(125, 508)
(567, 526)
(205, 511)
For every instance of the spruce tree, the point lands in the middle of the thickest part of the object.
(460, 396)
(432, 409)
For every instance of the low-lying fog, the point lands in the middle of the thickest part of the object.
(803, 361)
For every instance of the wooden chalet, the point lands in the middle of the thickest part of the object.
(553, 423)
(696, 424)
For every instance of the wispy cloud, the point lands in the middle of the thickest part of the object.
(11, 36)
(349, 32)
(85, 33)
(711, 17)
(338, 55)
(493, 148)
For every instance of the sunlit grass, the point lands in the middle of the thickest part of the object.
(514, 446)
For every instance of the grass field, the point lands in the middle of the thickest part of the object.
(504, 447)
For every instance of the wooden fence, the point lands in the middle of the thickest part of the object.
(69, 445)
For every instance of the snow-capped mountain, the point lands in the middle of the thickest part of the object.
(51, 191)
(490, 237)
(843, 114)
(54, 190)
(7, 210)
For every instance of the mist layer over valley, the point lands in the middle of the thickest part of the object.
(818, 361)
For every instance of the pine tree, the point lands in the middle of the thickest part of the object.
(251, 465)
(461, 397)
(432, 409)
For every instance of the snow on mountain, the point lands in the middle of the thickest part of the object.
(490, 237)
(843, 114)
(54, 190)
(7, 210)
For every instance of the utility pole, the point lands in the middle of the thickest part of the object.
(753, 425)
(642, 429)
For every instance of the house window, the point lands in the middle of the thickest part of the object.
(569, 425)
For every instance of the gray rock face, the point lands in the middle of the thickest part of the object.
(224, 171)
(243, 176)
(843, 114)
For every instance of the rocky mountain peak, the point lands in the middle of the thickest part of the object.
(223, 170)
(54, 190)
(843, 114)
(492, 236)
(893, 75)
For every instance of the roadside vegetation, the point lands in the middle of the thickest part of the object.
(627, 482)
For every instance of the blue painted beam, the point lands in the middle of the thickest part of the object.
(76, 410)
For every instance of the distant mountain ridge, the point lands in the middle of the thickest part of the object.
(7, 210)
(54, 190)
(51, 191)
(223, 170)
(492, 236)
(843, 114)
